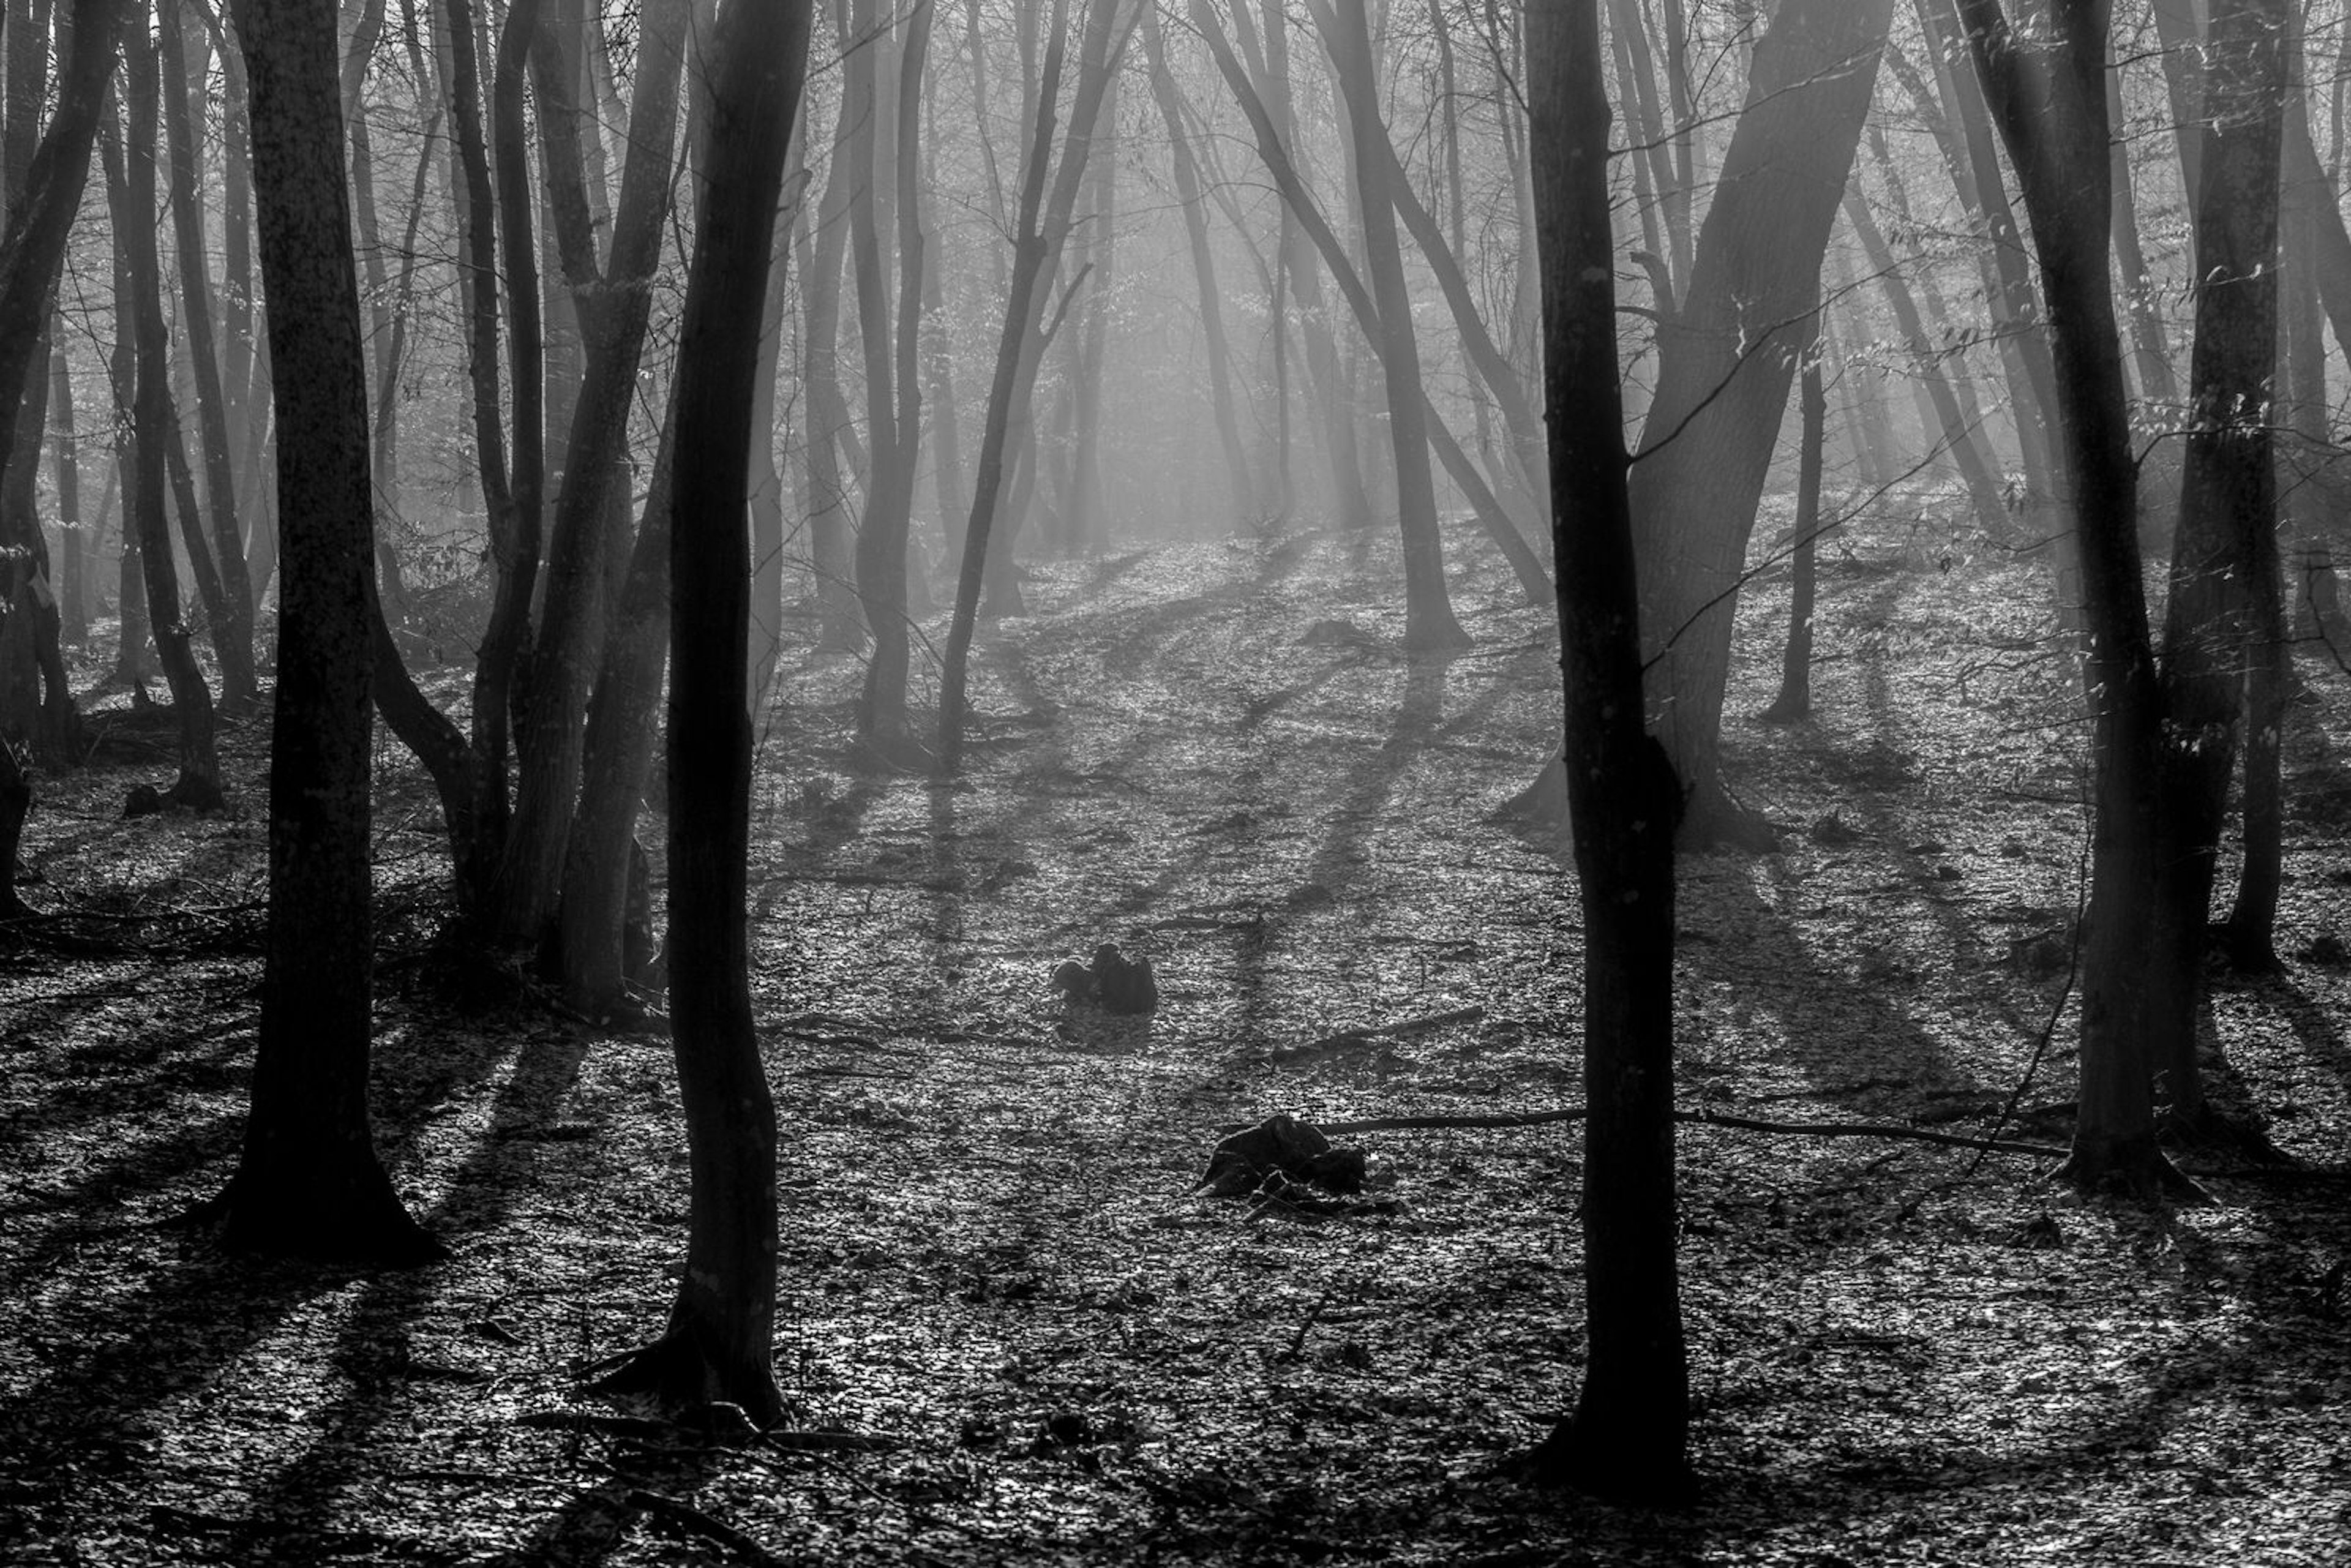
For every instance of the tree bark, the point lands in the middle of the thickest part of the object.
(231, 634)
(40, 219)
(614, 308)
(2047, 93)
(1795, 699)
(1725, 364)
(309, 1182)
(198, 785)
(1626, 1437)
(2228, 504)
(718, 1343)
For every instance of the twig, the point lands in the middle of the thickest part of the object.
(692, 1521)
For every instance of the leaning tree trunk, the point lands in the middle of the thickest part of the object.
(1627, 1434)
(1724, 361)
(718, 1344)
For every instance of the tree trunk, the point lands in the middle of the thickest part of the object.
(2228, 504)
(231, 631)
(40, 219)
(1429, 622)
(2047, 93)
(838, 630)
(198, 787)
(309, 1183)
(1044, 227)
(1626, 1437)
(1795, 699)
(75, 546)
(615, 309)
(1243, 500)
(718, 1343)
(1724, 366)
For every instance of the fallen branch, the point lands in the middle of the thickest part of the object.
(1703, 1118)
(694, 1521)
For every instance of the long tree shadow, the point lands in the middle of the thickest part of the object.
(374, 1348)
(199, 1310)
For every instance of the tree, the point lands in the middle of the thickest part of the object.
(1043, 229)
(1626, 1436)
(1429, 623)
(2217, 628)
(155, 432)
(40, 220)
(309, 1182)
(718, 1341)
(1726, 359)
(2047, 92)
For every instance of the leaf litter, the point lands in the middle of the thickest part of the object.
(1016, 1328)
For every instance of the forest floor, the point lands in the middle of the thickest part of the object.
(994, 1258)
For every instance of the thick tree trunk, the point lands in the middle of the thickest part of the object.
(617, 758)
(718, 1343)
(309, 1182)
(1725, 364)
(1626, 1437)
(2047, 92)
(838, 628)
(2228, 507)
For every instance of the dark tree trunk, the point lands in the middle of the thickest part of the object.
(719, 1342)
(309, 1182)
(615, 309)
(1626, 1436)
(40, 219)
(2227, 508)
(198, 787)
(2047, 91)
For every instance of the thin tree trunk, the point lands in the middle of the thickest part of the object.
(232, 631)
(1795, 699)
(198, 785)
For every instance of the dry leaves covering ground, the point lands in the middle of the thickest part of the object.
(992, 1258)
